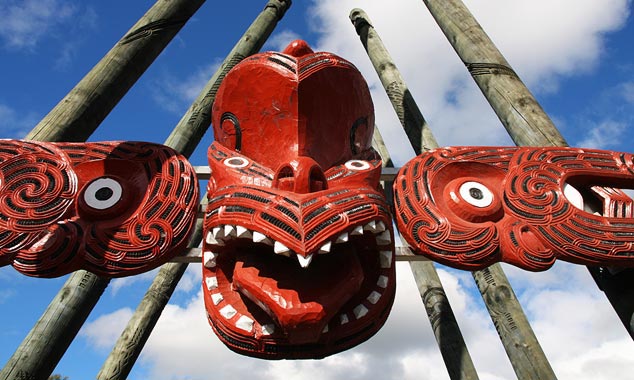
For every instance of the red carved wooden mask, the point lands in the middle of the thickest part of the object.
(298, 250)
(113, 208)
(469, 207)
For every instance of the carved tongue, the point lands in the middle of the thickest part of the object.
(300, 300)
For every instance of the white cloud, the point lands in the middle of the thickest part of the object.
(104, 331)
(14, 125)
(176, 94)
(279, 40)
(25, 23)
(607, 134)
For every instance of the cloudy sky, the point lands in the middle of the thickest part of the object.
(575, 55)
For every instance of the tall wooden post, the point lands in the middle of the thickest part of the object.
(79, 113)
(185, 137)
(443, 321)
(517, 336)
(446, 330)
(74, 119)
(522, 116)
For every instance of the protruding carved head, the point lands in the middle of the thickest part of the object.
(298, 238)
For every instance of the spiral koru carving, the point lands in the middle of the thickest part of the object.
(469, 207)
(113, 208)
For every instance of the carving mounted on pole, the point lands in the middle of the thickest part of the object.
(469, 207)
(298, 250)
(113, 208)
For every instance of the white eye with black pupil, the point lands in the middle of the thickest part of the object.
(357, 165)
(476, 194)
(103, 193)
(236, 162)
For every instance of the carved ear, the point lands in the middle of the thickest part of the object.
(134, 209)
(37, 186)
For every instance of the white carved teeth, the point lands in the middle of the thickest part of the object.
(343, 238)
(259, 237)
(304, 262)
(268, 329)
(384, 238)
(219, 232)
(374, 297)
(325, 248)
(243, 233)
(360, 311)
(281, 249)
(343, 319)
(230, 231)
(382, 281)
(217, 298)
(245, 323)
(212, 240)
(209, 259)
(370, 226)
(358, 230)
(325, 330)
(380, 226)
(385, 258)
(212, 282)
(228, 312)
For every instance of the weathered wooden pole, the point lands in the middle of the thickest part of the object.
(79, 113)
(184, 138)
(443, 321)
(516, 334)
(74, 119)
(446, 330)
(523, 118)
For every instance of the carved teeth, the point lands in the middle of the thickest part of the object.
(360, 311)
(325, 248)
(374, 297)
(259, 237)
(386, 259)
(243, 233)
(217, 298)
(230, 231)
(209, 259)
(382, 282)
(358, 230)
(212, 240)
(218, 232)
(325, 330)
(228, 312)
(212, 282)
(343, 238)
(304, 262)
(245, 323)
(281, 249)
(380, 226)
(370, 226)
(268, 329)
(343, 318)
(384, 238)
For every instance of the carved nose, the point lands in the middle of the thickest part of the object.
(302, 175)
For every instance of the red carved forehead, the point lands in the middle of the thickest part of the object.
(274, 107)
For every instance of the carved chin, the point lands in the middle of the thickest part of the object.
(265, 300)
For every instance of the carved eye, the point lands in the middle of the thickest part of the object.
(103, 193)
(476, 194)
(236, 162)
(358, 165)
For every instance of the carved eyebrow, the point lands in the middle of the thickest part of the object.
(236, 125)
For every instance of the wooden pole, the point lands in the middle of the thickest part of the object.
(185, 136)
(79, 113)
(446, 330)
(523, 118)
(74, 119)
(516, 334)
(443, 321)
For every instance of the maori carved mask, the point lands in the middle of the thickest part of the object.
(298, 249)
(113, 208)
(469, 207)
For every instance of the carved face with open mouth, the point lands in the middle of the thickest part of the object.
(298, 248)
(469, 207)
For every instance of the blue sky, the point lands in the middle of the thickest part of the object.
(575, 56)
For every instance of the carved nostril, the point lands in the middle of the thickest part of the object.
(317, 180)
(284, 178)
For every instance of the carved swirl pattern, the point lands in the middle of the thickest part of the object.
(469, 207)
(134, 209)
(36, 188)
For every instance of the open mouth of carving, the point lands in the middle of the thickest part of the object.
(265, 300)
